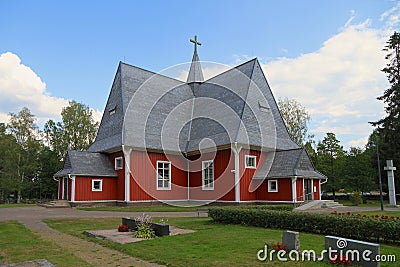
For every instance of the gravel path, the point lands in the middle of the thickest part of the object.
(90, 252)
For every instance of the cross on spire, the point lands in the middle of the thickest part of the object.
(196, 43)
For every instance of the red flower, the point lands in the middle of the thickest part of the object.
(123, 228)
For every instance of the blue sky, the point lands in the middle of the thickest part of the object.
(325, 54)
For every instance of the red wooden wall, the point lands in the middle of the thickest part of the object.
(69, 189)
(317, 194)
(83, 189)
(300, 189)
(224, 179)
(248, 188)
(143, 182)
(120, 194)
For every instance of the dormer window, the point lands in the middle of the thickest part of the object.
(263, 107)
(112, 110)
(250, 162)
(118, 163)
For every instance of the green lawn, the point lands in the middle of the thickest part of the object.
(18, 244)
(386, 213)
(15, 205)
(212, 245)
(155, 208)
(370, 203)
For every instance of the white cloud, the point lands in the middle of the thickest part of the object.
(209, 69)
(97, 115)
(353, 15)
(21, 87)
(391, 17)
(339, 83)
(360, 143)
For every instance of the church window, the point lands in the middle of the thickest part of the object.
(263, 107)
(118, 163)
(272, 185)
(97, 185)
(163, 175)
(208, 175)
(250, 161)
(112, 110)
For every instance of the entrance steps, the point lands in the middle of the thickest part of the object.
(319, 204)
(56, 204)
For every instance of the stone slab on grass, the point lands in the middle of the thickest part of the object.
(127, 237)
(35, 263)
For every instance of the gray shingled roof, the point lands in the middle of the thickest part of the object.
(87, 163)
(162, 113)
(152, 111)
(288, 163)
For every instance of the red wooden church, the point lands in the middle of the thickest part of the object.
(161, 139)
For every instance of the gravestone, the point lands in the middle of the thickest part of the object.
(291, 239)
(359, 252)
(390, 174)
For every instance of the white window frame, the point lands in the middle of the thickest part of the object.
(249, 166)
(116, 167)
(101, 185)
(209, 186)
(270, 187)
(162, 178)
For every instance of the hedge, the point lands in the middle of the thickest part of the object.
(360, 228)
(267, 207)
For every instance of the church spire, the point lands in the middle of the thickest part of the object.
(195, 72)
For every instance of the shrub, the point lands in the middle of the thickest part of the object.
(143, 227)
(356, 198)
(361, 228)
(144, 231)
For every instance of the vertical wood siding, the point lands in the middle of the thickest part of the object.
(316, 194)
(69, 189)
(224, 179)
(144, 177)
(120, 194)
(248, 188)
(299, 189)
(83, 189)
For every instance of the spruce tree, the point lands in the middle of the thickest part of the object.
(389, 126)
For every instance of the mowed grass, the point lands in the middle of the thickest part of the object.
(370, 203)
(212, 245)
(4, 206)
(18, 244)
(380, 213)
(156, 208)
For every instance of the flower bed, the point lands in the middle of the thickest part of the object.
(383, 217)
(159, 229)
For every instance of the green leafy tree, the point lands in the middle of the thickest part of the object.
(8, 145)
(25, 155)
(77, 129)
(330, 160)
(296, 118)
(45, 185)
(358, 171)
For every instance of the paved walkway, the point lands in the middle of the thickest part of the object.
(91, 252)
